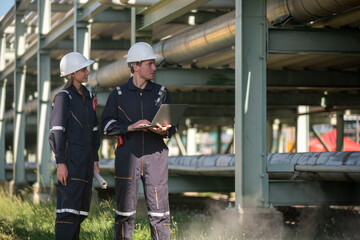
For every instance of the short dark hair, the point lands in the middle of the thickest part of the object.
(131, 66)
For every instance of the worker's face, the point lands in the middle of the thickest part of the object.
(81, 75)
(146, 70)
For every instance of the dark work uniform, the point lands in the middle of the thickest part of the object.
(74, 138)
(143, 155)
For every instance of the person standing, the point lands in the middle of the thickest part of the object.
(74, 138)
(140, 153)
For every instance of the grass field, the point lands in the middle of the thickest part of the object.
(200, 217)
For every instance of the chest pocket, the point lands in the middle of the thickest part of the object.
(78, 122)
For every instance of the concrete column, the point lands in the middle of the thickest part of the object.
(302, 130)
(191, 141)
(2, 129)
(19, 101)
(340, 131)
(251, 179)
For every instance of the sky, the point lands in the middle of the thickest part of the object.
(5, 5)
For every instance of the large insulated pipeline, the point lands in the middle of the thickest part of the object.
(211, 4)
(302, 11)
(218, 34)
(201, 40)
(326, 166)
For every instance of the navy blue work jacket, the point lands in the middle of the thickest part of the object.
(128, 104)
(74, 135)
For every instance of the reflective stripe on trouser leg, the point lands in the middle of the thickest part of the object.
(160, 225)
(155, 182)
(126, 201)
(158, 211)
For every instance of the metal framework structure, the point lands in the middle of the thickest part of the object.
(234, 61)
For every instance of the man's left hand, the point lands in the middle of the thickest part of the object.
(162, 130)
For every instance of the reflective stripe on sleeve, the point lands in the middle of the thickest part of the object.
(155, 214)
(108, 125)
(57, 128)
(95, 129)
(73, 211)
(67, 93)
(125, 214)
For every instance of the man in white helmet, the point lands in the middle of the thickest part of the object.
(140, 153)
(74, 138)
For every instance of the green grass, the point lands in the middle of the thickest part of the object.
(192, 218)
(22, 219)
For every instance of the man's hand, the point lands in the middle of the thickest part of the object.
(62, 173)
(96, 167)
(162, 130)
(139, 123)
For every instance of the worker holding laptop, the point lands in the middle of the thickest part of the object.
(141, 152)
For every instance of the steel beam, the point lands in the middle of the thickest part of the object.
(290, 193)
(113, 16)
(312, 80)
(7, 19)
(167, 10)
(55, 7)
(314, 41)
(251, 179)
(193, 78)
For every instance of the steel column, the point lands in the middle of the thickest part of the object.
(82, 33)
(191, 141)
(2, 129)
(302, 129)
(19, 101)
(251, 179)
(339, 131)
(2, 51)
(44, 94)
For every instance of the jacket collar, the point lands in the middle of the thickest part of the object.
(85, 91)
(149, 85)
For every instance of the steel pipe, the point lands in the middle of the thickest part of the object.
(302, 11)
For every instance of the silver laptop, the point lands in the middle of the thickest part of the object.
(168, 114)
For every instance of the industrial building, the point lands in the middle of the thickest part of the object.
(244, 67)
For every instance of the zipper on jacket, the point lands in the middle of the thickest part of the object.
(124, 113)
(76, 119)
(143, 138)
(156, 197)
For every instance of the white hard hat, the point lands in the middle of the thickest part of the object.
(73, 62)
(141, 51)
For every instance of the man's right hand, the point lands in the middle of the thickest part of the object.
(62, 173)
